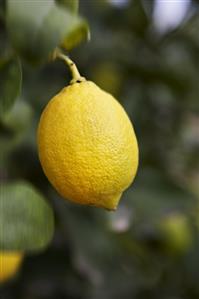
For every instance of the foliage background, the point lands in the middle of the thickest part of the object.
(148, 248)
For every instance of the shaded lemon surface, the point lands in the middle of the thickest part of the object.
(87, 145)
(9, 264)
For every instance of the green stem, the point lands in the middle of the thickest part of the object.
(76, 77)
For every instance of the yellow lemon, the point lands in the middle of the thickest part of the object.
(9, 264)
(87, 145)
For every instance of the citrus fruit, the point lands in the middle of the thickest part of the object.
(87, 145)
(176, 233)
(9, 264)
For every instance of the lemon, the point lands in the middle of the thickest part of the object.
(87, 145)
(176, 233)
(9, 264)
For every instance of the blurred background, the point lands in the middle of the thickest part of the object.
(146, 53)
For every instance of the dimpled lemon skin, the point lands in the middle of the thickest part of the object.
(9, 264)
(87, 145)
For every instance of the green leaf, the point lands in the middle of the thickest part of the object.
(13, 127)
(26, 220)
(10, 83)
(19, 117)
(37, 27)
(71, 5)
(78, 33)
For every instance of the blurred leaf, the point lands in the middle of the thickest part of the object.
(78, 33)
(80, 29)
(10, 83)
(37, 27)
(137, 17)
(2, 9)
(13, 127)
(19, 117)
(26, 220)
(71, 5)
(154, 195)
(82, 224)
(190, 29)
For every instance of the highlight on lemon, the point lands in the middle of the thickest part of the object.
(87, 144)
(9, 264)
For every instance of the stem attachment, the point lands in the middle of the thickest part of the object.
(76, 77)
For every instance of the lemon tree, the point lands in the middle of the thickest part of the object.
(86, 140)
